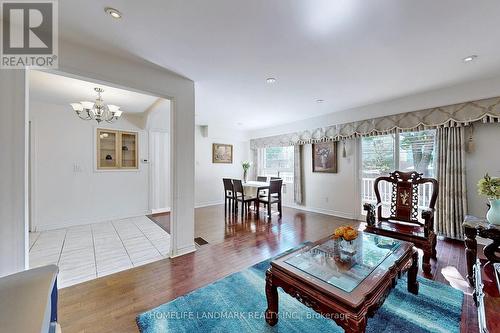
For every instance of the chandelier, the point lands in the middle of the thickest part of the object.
(97, 110)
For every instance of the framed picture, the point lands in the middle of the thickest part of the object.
(324, 157)
(222, 153)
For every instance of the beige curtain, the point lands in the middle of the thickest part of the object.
(452, 198)
(297, 175)
(255, 161)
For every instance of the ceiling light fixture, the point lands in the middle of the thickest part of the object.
(271, 80)
(470, 58)
(320, 101)
(113, 13)
(97, 110)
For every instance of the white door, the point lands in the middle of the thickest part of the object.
(159, 147)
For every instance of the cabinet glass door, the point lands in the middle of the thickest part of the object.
(128, 150)
(107, 149)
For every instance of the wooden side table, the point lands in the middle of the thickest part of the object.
(473, 227)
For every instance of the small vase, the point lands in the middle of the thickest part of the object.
(493, 215)
(244, 176)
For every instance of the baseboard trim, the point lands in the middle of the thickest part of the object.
(73, 223)
(160, 210)
(209, 203)
(183, 250)
(330, 212)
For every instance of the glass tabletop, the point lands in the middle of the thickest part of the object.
(345, 264)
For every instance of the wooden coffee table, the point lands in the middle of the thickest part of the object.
(347, 289)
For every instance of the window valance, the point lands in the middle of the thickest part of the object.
(462, 114)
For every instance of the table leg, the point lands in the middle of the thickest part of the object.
(356, 326)
(470, 251)
(272, 300)
(412, 274)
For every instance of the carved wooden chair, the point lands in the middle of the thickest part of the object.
(403, 222)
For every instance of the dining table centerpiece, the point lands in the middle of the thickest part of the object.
(246, 166)
(490, 187)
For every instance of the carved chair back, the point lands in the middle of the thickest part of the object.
(404, 197)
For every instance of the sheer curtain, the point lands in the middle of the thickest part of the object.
(452, 197)
(297, 175)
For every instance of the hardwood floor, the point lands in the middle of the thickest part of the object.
(162, 219)
(111, 303)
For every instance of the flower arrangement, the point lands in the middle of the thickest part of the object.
(346, 233)
(489, 187)
(246, 166)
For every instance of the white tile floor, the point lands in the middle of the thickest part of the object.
(94, 250)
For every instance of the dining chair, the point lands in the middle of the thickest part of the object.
(261, 179)
(239, 196)
(273, 197)
(228, 194)
(275, 178)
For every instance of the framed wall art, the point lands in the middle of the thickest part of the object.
(222, 153)
(324, 157)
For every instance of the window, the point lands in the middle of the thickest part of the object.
(404, 151)
(276, 162)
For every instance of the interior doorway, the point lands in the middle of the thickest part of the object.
(92, 183)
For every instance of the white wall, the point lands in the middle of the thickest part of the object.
(120, 70)
(329, 193)
(208, 176)
(484, 158)
(67, 188)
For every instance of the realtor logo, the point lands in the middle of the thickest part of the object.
(29, 34)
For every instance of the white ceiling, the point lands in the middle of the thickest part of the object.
(57, 89)
(346, 52)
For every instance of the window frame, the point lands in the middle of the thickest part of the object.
(396, 164)
(261, 171)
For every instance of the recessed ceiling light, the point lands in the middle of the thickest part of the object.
(113, 12)
(470, 58)
(270, 80)
(320, 101)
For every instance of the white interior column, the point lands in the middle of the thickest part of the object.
(182, 178)
(13, 171)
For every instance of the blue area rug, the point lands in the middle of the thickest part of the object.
(237, 304)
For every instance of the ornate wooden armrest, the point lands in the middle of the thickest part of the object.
(370, 212)
(428, 217)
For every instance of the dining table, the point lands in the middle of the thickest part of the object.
(251, 188)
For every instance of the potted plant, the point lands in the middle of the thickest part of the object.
(490, 188)
(246, 167)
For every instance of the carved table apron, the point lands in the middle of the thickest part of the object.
(353, 318)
